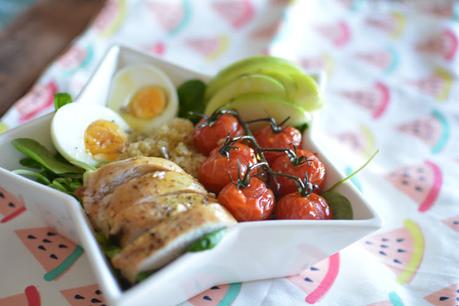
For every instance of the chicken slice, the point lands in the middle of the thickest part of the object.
(139, 190)
(169, 239)
(106, 178)
(130, 223)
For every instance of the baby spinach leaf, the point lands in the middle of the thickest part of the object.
(42, 156)
(30, 163)
(143, 275)
(61, 99)
(33, 175)
(208, 241)
(110, 248)
(191, 99)
(339, 204)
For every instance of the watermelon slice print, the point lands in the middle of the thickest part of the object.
(401, 250)
(375, 99)
(323, 61)
(237, 12)
(54, 252)
(266, 32)
(442, 44)
(109, 21)
(432, 130)
(394, 300)
(84, 296)
(338, 33)
(211, 48)
(10, 206)
(453, 222)
(422, 183)
(221, 295)
(317, 280)
(39, 99)
(448, 296)
(173, 16)
(30, 297)
(437, 85)
(443, 9)
(361, 141)
(385, 60)
(393, 23)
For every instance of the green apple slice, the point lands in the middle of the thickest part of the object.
(245, 84)
(251, 65)
(306, 94)
(256, 106)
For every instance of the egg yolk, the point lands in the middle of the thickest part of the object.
(104, 140)
(148, 102)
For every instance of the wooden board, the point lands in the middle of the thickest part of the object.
(35, 38)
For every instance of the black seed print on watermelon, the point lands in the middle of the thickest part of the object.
(206, 297)
(98, 292)
(41, 247)
(53, 256)
(51, 234)
(62, 246)
(31, 237)
(94, 300)
(313, 268)
(215, 288)
(11, 204)
(2, 195)
(443, 298)
(307, 279)
(79, 297)
(46, 241)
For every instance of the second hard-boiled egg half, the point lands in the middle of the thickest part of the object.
(88, 134)
(144, 96)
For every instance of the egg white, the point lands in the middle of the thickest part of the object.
(128, 81)
(68, 127)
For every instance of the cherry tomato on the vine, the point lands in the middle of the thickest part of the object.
(207, 137)
(252, 203)
(313, 168)
(298, 207)
(289, 137)
(217, 171)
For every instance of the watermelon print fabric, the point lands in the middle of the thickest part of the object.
(392, 84)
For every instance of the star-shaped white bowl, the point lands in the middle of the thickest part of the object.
(249, 251)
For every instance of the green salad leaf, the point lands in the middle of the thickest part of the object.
(191, 99)
(37, 152)
(340, 205)
(30, 163)
(110, 248)
(33, 175)
(61, 99)
(208, 241)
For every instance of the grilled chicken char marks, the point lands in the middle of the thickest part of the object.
(167, 240)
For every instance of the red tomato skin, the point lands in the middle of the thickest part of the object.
(296, 207)
(252, 203)
(217, 171)
(314, 169)
(288, 138)
(209, 137)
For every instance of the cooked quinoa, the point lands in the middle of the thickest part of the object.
(175, 137)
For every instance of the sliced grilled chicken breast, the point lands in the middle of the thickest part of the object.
(101, 183)
(133, 221)
(167, 240)
(153, 208)
(141, 189)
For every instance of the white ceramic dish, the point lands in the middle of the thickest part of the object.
(249, 251)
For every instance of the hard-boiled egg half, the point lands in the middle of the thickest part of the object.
(88, 134)
(144, 96)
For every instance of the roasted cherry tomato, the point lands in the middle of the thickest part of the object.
(296, 206)
(217, 171)
(288, 137)
(252, 203)
(313, 168)
(207, 137)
